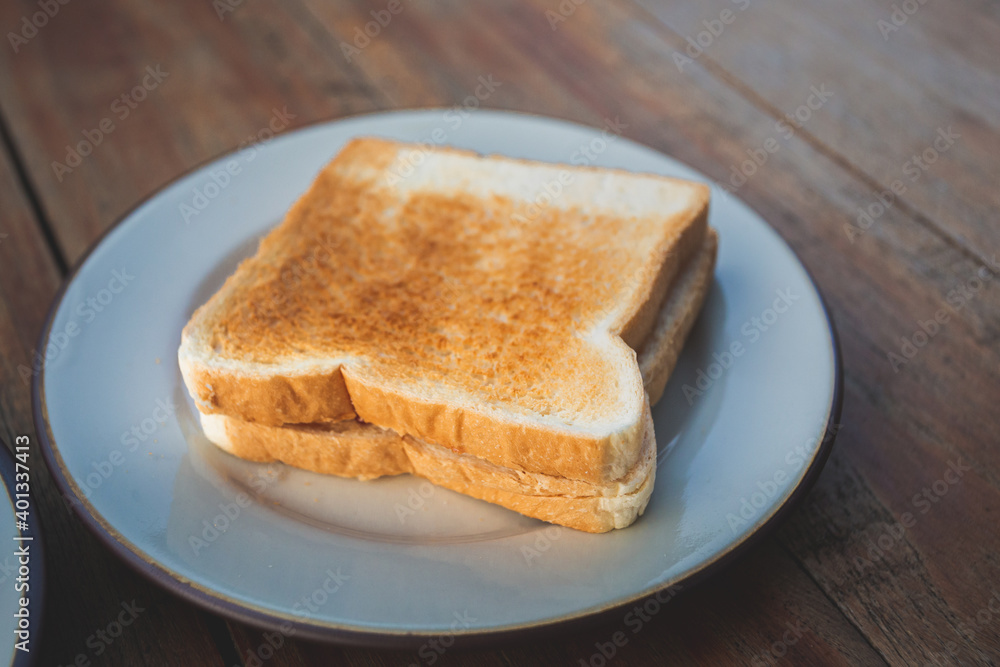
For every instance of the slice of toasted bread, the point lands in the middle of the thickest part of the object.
(365, 451)
(354, 449)
(486, 305)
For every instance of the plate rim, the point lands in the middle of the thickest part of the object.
(310, 628)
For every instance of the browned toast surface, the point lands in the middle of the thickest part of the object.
(423, 307)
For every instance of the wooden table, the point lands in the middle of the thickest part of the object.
(867, 136)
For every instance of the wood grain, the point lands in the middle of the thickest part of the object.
(695, 626)
(893, 85)
(164, 629)
(211, 98)
(869, 591)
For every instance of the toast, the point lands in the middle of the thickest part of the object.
(415, 303)
(364, 451)
(354, 449)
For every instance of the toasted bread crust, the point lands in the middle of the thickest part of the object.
(364, 451)
(244, 354)
(673, 255)
(268, 399)
(345, 449)
(548, 449)
(593, 514)
(658, 356)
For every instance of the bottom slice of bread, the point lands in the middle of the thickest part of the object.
(354, 449)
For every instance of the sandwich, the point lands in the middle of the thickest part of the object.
(497, 326)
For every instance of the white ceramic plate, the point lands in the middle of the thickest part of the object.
(398, 561)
